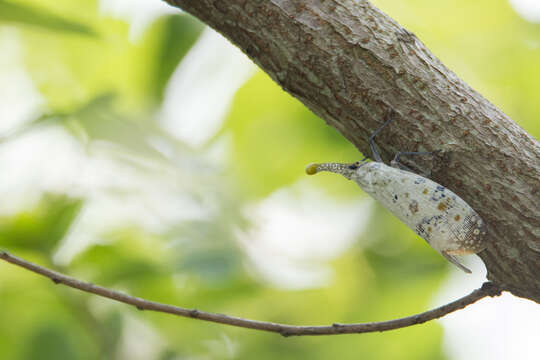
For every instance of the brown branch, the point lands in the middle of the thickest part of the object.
(350, 64)
(487, 289)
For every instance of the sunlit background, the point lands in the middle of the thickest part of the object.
(141, 151)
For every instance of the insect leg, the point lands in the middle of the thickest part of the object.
(372, 138)
(454, 261)
(396, 163)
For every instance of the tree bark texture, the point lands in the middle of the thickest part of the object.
(351, 64)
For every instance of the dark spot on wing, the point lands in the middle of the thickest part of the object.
(438, 194)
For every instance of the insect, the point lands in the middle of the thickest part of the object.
(435, 213)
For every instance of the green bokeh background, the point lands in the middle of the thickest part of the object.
(99, 86)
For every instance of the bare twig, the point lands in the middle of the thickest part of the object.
(487, 289)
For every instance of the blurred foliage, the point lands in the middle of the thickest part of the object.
(32, 15)
(291, 134)
(104, 90)
(41, 228)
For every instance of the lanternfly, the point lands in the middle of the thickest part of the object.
(435, 213)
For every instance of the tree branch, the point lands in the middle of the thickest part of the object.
(350, 64)
(487, 289)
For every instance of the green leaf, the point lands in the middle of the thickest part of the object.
(213, 265)
(100, 120)
(180, 32)
(40, 18)
(120, 262)
(40, 229)
(51, 342)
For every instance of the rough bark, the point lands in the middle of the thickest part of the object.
(350, 64)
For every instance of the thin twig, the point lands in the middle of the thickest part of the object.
(487, 289)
